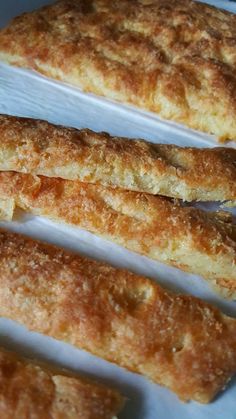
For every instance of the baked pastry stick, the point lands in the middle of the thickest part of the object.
(37, 147)
(176, 58)
(177, 341)
(188, 238)
(28, 390)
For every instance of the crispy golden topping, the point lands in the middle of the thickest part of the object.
(186, 237)
(176, 58)
(28, 390)
(177, 341)
(37, 147)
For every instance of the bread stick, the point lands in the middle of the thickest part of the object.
(37, 147)
(186, 237)
(174, 58)
(29, 390)
(177, 341)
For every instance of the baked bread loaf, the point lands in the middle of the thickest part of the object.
(177, 341)
(175, 57)
(188, 238)
(37, 147)
(28, 390)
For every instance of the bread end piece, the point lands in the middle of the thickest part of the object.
(29, 389)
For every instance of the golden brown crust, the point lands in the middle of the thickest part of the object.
(185, 237)
(178, 341)
(37, 147)
(176, 58)
(28, 390)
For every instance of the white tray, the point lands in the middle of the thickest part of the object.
(26, 93)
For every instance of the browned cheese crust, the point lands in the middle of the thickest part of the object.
(178, 341)
(37, 147)
(186, 237)
(176, 57)
(28, 390)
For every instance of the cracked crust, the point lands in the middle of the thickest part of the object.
(177, 341)
(29, 390)
(176, 58)
(186, 237)
(37, 147)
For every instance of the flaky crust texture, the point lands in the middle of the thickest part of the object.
(186, 237)
(178, 341)
(176, 58)
(37, 147)
(28, 390)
